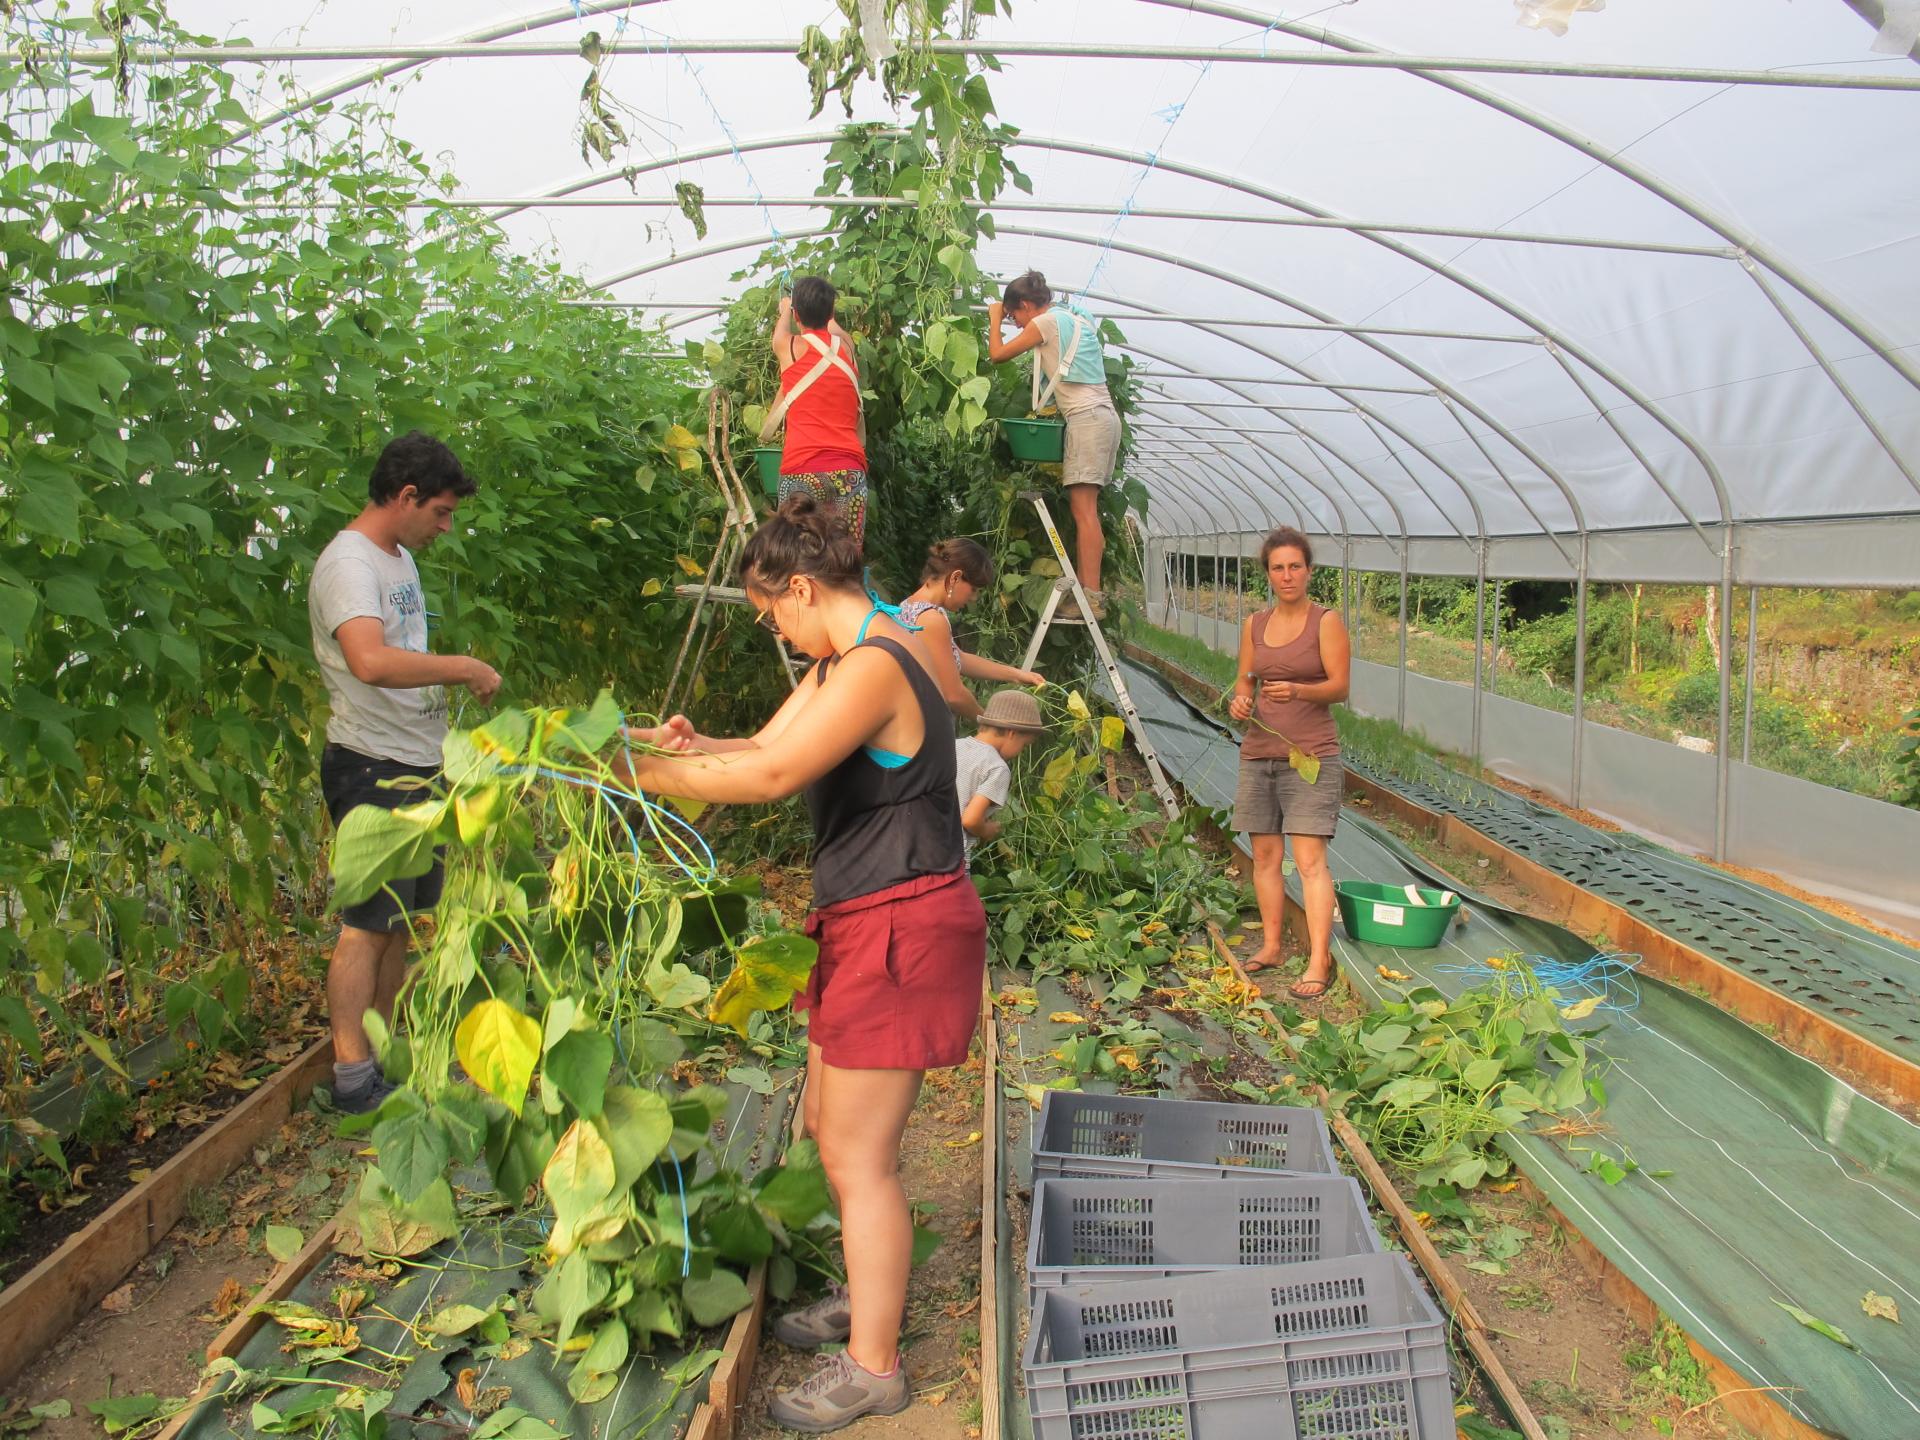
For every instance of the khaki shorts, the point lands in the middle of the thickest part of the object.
(1272, 799)
(1093, 444)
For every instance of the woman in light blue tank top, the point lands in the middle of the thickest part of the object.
(1071, 374)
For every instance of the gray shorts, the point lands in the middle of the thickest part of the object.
(1272, 799)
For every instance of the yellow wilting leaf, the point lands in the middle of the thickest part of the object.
(1054, 778)
(1077, 706)
(1307, 765)
(1881, 1306)
(690, 566)
(1035, 1094)
(652, 587)
(1113, 732)
(1399, 977)
(1505, 1187)
(1125, 1057)
(1498, 962)
(1581, 1009)
(684, 447)
(1067, 1017)
(692, 809)
(1079, 932)
(973, 1138)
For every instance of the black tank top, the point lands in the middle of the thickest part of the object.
(875, 827)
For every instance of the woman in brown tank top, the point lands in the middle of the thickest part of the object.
(1294, 666)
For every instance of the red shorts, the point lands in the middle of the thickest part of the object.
(897, 985)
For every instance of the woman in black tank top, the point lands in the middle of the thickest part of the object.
(896, 988)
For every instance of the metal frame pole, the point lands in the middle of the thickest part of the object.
(1579, 671)
(1406, 545)
(1753, 644)
(1479, 642)
(1493, 657)
(1722, 751)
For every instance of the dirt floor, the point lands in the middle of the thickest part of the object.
(940, 1164)
(150, 1335)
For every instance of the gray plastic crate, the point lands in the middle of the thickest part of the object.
(1081, 1136)
(1347, 1349)
(1086, 1232)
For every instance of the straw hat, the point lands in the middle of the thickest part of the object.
(1014, 710)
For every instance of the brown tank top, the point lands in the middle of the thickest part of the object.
(1304, 723)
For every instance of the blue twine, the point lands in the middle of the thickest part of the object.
(1170, 114)
(733, 146)
(1607, 976)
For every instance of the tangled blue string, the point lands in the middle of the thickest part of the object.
(1170, 116)
(733, 145)
(1607, 976)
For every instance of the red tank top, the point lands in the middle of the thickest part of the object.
(823, 425)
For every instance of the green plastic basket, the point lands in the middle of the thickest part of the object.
(767, 457)
(1387, 915)
(1042, 440)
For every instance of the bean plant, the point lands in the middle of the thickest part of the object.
(570, 956)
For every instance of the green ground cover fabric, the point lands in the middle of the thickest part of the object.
(1787, 1185)
(488, 1260)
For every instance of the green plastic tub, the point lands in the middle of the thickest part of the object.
(1388, 915)
(1042, 440)
(767, 457)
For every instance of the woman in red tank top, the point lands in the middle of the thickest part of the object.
(825, 452)
(1294, 666)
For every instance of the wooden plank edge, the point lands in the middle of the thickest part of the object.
(52, 1297)
(1472, 1327)
(1812, 1035)
(991, 1120)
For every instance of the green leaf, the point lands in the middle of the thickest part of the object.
(1815, 1323)
(753, 1077)
(373, 846)
(103, 1053)
(739, 1234)
(691, 1367)
(497, 1045)
(572, 1288)
(283, 1242)
(1480, 1074)
(608, 1352)
(585, 732)
(720, 1296)
(578, 1066)
(638, 1126)
(797, 1191)
(766, 976)
(676, 988)
(388, 1226)
(18, 606)
(123, 1412)
(510, 1422)
(17, 1021)
(413, 1153)
(925, 1241)
(76, 596)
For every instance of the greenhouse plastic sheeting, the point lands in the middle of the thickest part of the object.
(491, 1258)
(1787, 1185)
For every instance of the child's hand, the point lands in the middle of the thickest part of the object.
(995, 315)
(989, 829)
(1033, 677)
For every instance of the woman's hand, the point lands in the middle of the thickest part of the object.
(1278, 690)
(1240, 707)
(996, 316)
(786, 307)
(674, 733)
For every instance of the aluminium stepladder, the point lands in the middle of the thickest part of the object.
(1069, 585)
(735, 529)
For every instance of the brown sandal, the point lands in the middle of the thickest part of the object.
(1309, 989)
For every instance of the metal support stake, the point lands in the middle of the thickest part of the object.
(1479, 641)
(1406, 545)
(1753, 644)
(1346, 583)
(1722, 749)
(1579, 669)
(1493, 634)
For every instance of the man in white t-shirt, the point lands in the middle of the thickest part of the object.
(389, 715)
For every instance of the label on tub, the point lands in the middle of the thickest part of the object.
(1389, 914)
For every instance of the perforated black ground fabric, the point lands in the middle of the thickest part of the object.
(1862, 981)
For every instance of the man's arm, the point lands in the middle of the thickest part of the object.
(374, 662)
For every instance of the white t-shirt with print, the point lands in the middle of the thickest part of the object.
(352, 578)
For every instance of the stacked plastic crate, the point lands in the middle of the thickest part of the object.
(1199, 1271)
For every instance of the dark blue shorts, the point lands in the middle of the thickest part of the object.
(349, 779)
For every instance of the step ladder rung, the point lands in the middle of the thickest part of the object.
(716, 595)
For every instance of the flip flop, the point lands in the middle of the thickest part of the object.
(1310, 989)
(1254, 966)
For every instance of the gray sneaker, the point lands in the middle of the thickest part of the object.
(828, 1321)
(838, 1393)
(364, 1101)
